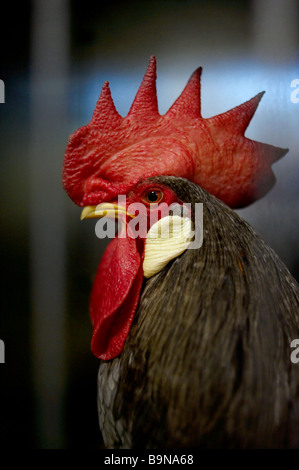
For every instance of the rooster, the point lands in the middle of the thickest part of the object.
(194, 343)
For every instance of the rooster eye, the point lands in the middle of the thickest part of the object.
(153, 196)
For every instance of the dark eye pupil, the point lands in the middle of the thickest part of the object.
(152, 196)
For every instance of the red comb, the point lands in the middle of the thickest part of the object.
(111, 152)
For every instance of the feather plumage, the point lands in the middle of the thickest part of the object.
(226, 315)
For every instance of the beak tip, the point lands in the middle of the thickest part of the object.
(87, 212)
(103, 210)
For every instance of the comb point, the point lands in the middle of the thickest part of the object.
(105, 112)
(145, 103)
(188, 104)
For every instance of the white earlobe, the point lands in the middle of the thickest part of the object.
(166, 239)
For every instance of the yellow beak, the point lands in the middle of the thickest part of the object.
(104, 210)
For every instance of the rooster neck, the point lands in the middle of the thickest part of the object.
(189, 375)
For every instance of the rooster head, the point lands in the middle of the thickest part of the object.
(114, 155)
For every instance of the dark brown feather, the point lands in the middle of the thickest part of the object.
(207, 362)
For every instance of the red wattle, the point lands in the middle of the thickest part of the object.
(115, 296)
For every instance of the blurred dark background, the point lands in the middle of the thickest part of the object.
(55, 57)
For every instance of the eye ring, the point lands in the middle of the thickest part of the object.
(153, 196)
